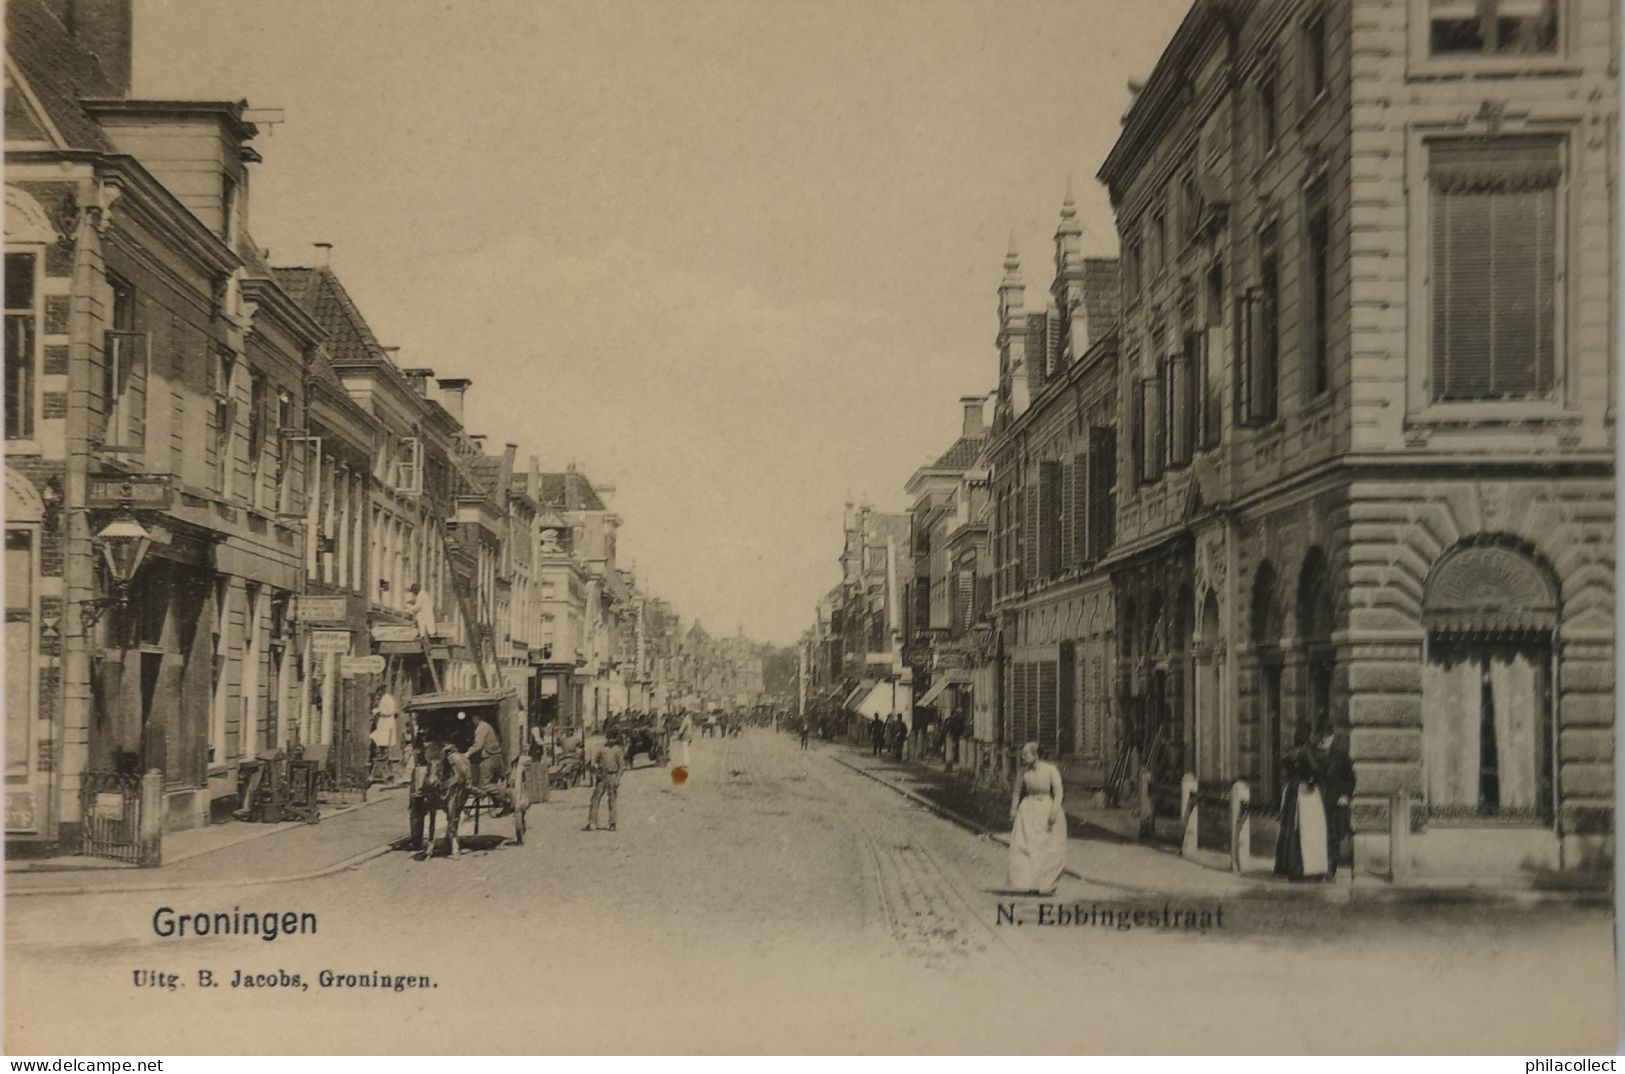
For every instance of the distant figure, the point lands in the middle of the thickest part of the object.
(1037, 826)
(954, 729)
(806, 729)
(1336, 771)
(877, 735)
(1300, 848)
(896, 737)
(685, 735)
(421, 609)
(607, 764)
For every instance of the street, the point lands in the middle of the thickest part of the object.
(779, 901)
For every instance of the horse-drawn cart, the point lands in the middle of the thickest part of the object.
(648, 735)
(449, 776)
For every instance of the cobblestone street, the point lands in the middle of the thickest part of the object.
(780, 899)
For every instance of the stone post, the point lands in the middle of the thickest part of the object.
(152, 817)
(1399, 837)
(1189, 818)
(1241, 826)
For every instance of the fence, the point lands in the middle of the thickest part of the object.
(122, 816)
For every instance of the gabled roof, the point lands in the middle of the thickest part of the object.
(570, 491)
(318, 290)
(59, 71)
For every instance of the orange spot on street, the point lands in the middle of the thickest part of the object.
(679, 775)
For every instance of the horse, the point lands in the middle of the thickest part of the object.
(440, 785)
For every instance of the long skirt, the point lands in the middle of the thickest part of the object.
(1037, 851)
(1300, 849)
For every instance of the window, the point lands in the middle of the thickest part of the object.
(1314, 58)
(1131, 267)
(1269, 118)
(408, 476)
(19, 593)
(1102, 491)
(1492, 27)
(225, 417)
(1159, 243)
(1317, 368)
(124, 374)
(1183, 397)
(1190, 202)
(284, 451)
(1493, 272)
(229, 209)
(22, 336)
(1049, 519)
(1209, 361)
(259, 401)
(1148, 442)
(1257, 346)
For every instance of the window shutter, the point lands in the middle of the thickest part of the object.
(1068, 518)
(1153, 422)
(1018, 702)
(1266, 346)
(1049, 685)
(1079, 475)
(1494, 288)
(1142, 472)
(1029, 721)
(135, 392)
(1029, 535)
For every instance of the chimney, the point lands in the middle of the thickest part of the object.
(324, 254)
(452, 390)
(974, 429)
(104, 28)
(418, 379)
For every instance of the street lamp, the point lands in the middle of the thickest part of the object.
(981, 635)
(124, 543)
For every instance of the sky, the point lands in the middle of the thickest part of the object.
(737, 259)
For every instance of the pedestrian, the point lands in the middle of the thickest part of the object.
(897, 735)
(1336, 772)
(877, 735)
(685, 735)
(607, 764)
(1300, 848)
(806, 729)
(1037, 826)
(953, 729)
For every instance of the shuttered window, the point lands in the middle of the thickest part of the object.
(1178, 406)
(1493, 272)
(1049, 683)
(1049, 519)
(1079, 481)
(1102, 501)
(22, 334)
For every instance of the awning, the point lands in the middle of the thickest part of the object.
(877, 700)
(945, 680)
(855, 693)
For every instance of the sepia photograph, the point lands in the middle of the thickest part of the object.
(813, 527)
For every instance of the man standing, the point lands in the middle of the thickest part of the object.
(877, 735)
(897, 731)
(954, 728)
(1336, 771)
(607, 764)
(806, 727)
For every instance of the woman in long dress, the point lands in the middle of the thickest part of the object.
(1037, 826)
(1300, 848)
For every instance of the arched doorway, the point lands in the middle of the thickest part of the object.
(1209, 692)
(1315, 615)
(1265, 634)
(1491, 614)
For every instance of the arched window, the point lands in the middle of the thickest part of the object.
(1491, 612)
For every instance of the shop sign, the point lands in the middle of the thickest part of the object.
(324, 609)
(108, 492)
(399, 648)
(395, 632)
(109, 806)
(330, 641)
(361, 665)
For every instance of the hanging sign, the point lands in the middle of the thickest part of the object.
(394, 632)
(330, 641)
(361, 665)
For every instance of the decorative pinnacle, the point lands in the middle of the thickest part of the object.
(1012, 260)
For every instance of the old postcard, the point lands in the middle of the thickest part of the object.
(541, 526)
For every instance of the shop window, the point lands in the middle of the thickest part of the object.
(1491, 613)
(1495, 248)
(19, 594)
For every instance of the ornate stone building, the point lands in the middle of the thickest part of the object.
(1367, 382)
